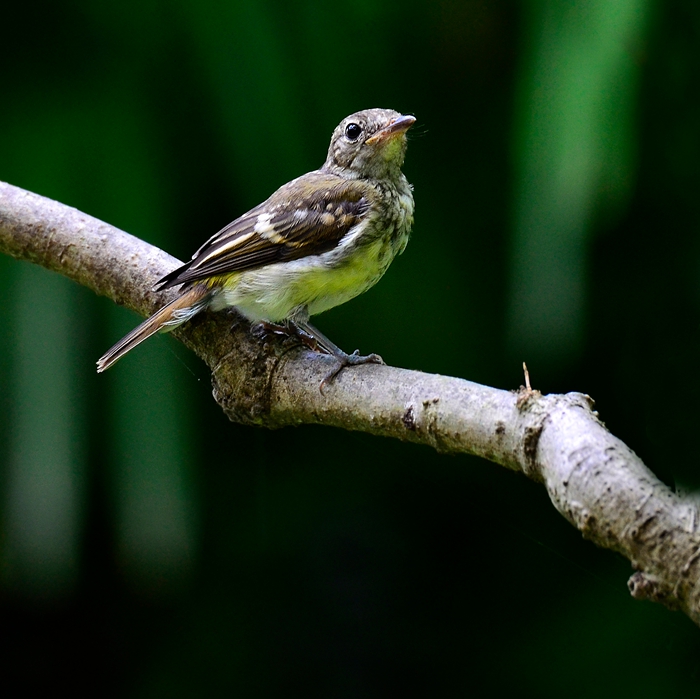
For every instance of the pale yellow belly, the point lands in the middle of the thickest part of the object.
(274, 292)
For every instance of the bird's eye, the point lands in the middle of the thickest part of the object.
(353, 131)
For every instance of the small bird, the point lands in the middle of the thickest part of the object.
(318, 241)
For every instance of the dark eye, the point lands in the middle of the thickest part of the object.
(353, 131)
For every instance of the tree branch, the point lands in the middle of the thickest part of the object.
(593, 479)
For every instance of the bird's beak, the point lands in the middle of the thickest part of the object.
(398, 126)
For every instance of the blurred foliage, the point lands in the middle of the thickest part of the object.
(150, 548)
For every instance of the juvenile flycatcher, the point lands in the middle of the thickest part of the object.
(317, 242)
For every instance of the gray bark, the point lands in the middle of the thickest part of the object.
(592, 478)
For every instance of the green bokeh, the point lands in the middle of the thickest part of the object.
(148, 543)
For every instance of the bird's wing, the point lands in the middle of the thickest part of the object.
(307, 216)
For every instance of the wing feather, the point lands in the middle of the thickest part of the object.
(307, 216)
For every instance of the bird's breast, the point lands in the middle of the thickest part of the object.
(320, 282)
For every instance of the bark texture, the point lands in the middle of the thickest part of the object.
(593, 479)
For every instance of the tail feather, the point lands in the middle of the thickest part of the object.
(167, 318)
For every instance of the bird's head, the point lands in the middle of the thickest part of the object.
(369, 144)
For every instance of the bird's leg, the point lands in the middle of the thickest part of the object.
(323, 344)
(263, 330)
(307, 338)
(289, 330)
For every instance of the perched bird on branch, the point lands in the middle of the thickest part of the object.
(318, 241)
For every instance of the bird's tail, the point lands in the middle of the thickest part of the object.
(167, 318)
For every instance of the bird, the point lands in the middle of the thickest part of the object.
(315, 243)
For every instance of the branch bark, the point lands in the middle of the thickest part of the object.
(592, 478)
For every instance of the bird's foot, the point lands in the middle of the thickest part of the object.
(354, 359)
(263, 330)
(309, 340)
(316, 342)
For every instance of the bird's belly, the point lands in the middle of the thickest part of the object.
(319, 282)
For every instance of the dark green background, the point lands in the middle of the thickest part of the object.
(149, 548)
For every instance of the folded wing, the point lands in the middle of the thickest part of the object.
(307, 216)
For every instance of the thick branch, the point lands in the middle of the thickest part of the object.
(593, 479)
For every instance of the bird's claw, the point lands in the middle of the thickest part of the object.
(354, 359)
(265, 331)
